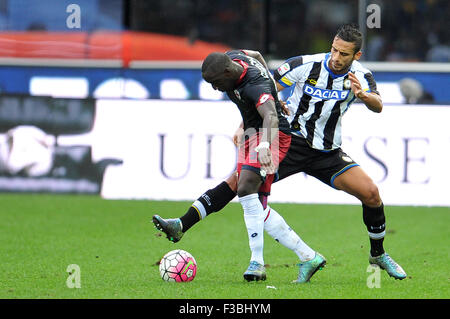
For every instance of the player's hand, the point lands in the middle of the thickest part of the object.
(265, 159)
(356, 86)
(238, 137)
(284, 108)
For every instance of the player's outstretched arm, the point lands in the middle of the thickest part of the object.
(258, 56)
(284, 107)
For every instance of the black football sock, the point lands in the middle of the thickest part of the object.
(376, 247)
(374, 220)
(190, 218)
(213, 200)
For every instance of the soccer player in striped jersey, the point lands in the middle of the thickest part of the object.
(323, 88)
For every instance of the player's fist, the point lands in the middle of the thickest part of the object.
(356, 86)
(284, 108)
(265, 159)
(238, 137)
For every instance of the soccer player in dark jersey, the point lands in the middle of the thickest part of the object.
(325, 85)
(267, 138)
(215, 199)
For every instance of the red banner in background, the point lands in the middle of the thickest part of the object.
(125, 46)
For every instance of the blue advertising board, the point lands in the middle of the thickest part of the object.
(162, 83)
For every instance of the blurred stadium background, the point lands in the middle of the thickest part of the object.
(106, 97)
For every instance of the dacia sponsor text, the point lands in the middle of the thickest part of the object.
(324, 93)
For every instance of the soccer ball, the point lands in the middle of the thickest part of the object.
(178, 266)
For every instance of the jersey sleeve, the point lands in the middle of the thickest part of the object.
(284, 74)
(367, 81)
(258, 94)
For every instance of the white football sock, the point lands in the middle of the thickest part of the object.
(254, 221)
(276, 226)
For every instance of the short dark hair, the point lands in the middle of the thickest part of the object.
(215, 62)
(349, 32)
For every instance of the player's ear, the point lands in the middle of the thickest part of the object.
(357, 55)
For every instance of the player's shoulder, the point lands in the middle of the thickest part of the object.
(299, 62)
(318, 57)
(359, 67)
(363, 73)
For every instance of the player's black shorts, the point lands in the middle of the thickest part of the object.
(323, 165)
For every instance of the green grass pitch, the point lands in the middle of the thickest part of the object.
(117, 250)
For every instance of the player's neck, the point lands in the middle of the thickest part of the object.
(238, 69)
(343, 71)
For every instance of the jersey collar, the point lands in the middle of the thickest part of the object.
(245, 66)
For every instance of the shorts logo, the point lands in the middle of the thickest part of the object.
(263, 98)
(347, 159)
(284, 68)
(325, 94)
(262, 172)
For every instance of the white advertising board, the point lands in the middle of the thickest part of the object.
(176, 150)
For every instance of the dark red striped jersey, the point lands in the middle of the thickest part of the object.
(254, 87)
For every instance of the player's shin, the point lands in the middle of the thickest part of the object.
(254, 221)
(276, 227)
(374, 220)
(213, 200)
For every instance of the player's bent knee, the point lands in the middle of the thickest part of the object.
(245, 189)
(248, 183)
(232, 181)
(371, 196)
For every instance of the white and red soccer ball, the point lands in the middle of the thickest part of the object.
(178, 266)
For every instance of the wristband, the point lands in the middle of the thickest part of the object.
(261, 146)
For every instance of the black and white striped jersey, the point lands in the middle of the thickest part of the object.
(319, 97)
